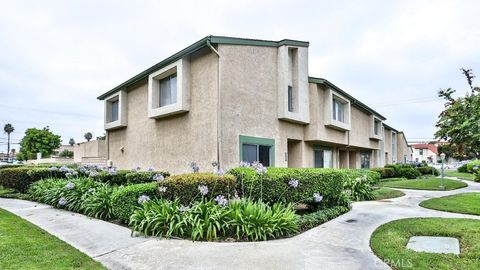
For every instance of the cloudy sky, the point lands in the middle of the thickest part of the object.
(56, 57)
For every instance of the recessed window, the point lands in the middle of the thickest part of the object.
(256, 152)
(338, 111)
(290, 98)
(323, 158)
(114, 110)
(394, 147)
(168, 90)
(365, 160)
(376, 127)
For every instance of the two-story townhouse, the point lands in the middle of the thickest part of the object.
(229, 100)
(425, 152)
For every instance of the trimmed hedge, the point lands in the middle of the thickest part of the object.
(184, 187)
(143, 177)
(428, 170)
(274, 186)
(125, 199)
(462, 169)
(124, 177)
(409, 173)
(471, 164)
(16, 178)
(12, 166)
(385, 172)
(38, 174)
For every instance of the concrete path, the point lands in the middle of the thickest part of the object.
(342, 243)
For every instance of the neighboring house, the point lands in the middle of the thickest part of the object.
(230, 100)
(92, 152)
(427, 152)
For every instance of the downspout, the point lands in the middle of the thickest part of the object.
(218, 105)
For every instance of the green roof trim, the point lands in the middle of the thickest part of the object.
(202, 43)
(353, 100)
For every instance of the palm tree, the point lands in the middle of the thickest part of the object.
(8, 128)
(13, 152)
(88, 136)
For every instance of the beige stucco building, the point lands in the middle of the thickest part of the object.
(230, 100)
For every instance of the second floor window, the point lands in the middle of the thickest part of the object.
(338, 111)
(114, 110)
(376, 127)
(290, 98)
(420, 152)
(168, 90)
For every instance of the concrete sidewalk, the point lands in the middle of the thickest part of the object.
(342, 243)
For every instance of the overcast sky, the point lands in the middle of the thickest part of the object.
(56, 57)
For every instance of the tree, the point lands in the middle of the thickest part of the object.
(38, 141)
(88, 136)
(71, 142)
(459, 123)
(66, 153)
(8, 128)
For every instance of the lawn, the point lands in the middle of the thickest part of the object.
(425, 184)
(465, 203)
(386, 193)
(389, 243)
(25, 246)
(460, 175)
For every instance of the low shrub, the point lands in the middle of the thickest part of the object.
(209, 220)
(126, 199)
(477, 177)
(16, 178)
(98, 202)
(409, 173)
(428, 170)
(463, 168)
(144, 177)
(12, 166)
(291, 185)
(112, 178)
(185, 187)
(472, 164)
(311, 220)
(385, 172)
(47, 191)
(40, 173)
(359, 184)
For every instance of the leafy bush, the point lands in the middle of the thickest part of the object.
(314, 219)
(40, 173)
(125, 199)
(208, 220)
(463, 168)
(16, 178)
(98, 203)
(409, 173)
(477, 177)
(385, 172)
(185, 187)
(426, 170)
(472, 164)
(359, 184)
(47, 191)
(12, 166)
(143, 177)
(276, 186)
(66, 153)
(112, 178)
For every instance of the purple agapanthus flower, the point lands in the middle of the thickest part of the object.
(64, 169)
(219, 172)
(150, 169)
(194, 167)
(112, 171)
(53, 169)
(317, 197)
(143, 199)
(293, 183)
(62, 201)
(162, 189)
(183, 208)
(92, 174)
(70, 185)
(203, 189)
(221, 200)
(214, 164)
(158, 177)
(244, 164)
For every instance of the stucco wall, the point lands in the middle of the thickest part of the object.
(96, 148)
(171, 143)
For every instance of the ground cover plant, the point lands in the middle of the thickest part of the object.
(383, 193)
(425, 184)
(460, 175)
(26, 246)
(389, 243)
(465, 203)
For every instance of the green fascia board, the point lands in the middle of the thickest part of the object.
(197, 46)
(353, 100)
(257, 42)
(260, 141)
(391, 128)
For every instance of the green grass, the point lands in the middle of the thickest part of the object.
(465, 203)
(386, 193)
(460, 175)
(425, 184)
(389, 243)
(25, 246)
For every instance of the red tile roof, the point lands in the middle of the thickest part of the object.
(431, 147)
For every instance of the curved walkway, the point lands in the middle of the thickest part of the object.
(342, 243)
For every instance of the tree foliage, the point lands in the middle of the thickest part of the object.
(88, 136)
(459, 122)
(71, 142)
(38, 141)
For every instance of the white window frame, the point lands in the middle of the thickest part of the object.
(329, 107)
(182, 70)
(121, 96)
